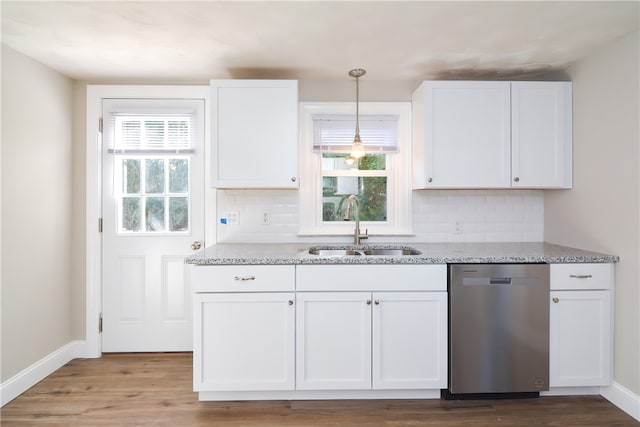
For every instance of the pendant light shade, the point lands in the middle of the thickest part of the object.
(357, 148)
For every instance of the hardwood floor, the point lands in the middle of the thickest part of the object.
(156, 390)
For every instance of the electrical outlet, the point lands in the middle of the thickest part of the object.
(230, 218)
(458, 228)
(266, 217)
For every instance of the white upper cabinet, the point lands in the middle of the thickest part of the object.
(478, 134)
(254, 130)
(461, 134)
(541, 134)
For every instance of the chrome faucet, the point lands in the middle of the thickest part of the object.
(347, 213)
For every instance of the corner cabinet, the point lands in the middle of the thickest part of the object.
(581, 333)
(479, 134)
(541, 135)
(254, 132)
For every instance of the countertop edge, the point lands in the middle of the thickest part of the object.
(296, 254)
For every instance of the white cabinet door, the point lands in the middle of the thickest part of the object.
(409, 340)
(244, 341)
(461, 134)
(333, 340)
(580, 338)
(254, 130)
(541, 134)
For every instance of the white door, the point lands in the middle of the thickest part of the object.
(153, 212)
(246, 341)
(579, 340)
(333, 340)
(541, 134)
(468, 142)
(409, 340)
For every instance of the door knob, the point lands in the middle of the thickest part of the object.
(196, 245)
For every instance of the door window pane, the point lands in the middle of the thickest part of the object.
(155, 214)
(154, 178)
(131, 214)
(131, 176)
(178, 176)
(178, 214)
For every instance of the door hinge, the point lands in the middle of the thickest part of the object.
(100, 125)
(100, 324)
(99, 225)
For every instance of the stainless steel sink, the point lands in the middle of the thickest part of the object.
(366, 251)
(335, 252)
(392, 251)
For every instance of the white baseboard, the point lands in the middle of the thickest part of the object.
(35, 373)
(571, 391)
(623, 398)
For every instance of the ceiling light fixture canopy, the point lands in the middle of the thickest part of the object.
(357, 148)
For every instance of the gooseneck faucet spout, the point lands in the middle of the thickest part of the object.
(353, 200)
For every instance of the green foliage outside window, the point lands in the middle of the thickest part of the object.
(370, 190)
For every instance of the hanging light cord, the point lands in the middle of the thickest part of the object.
(358, 105)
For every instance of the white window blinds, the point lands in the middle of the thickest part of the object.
(334, 133)
(135, 133)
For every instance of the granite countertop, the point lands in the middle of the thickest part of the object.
(431, 253)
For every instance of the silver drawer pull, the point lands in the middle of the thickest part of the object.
(556, 300)
(244, 279)
(581, 276)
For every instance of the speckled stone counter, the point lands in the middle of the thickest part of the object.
(431, 253)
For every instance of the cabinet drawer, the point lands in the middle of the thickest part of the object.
(243, 278)
(581, 276)
(371, 277)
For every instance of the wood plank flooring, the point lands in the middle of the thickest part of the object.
(156, 390)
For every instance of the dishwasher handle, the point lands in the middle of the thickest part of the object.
(488, 281)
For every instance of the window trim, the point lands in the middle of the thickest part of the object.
(398, 181)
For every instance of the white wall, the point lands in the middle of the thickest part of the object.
(37, 107)
(602, 212)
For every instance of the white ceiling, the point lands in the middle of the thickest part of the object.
(182, 41)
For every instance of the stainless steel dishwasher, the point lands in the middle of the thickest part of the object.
(498, 330)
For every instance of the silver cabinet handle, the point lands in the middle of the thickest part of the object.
(290, 302)
(516, 179)
(581, 276)
(429, 179)
(368, 302)
(377, 302)
(293, 179)
(244, 279)
(556, 300)
(196, 245)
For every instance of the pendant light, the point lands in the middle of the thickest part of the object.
(357, 148)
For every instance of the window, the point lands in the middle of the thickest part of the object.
(152, 155)
(380, 179)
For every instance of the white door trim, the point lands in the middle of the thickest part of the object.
(95, 94)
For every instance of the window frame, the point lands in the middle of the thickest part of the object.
(398, 167)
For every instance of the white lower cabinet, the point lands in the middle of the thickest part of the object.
(581, 325)
(319, 331)
(409, 340)
(333, 340)
(364, 340)
(244, 341)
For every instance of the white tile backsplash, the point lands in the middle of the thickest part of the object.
(486, 216)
